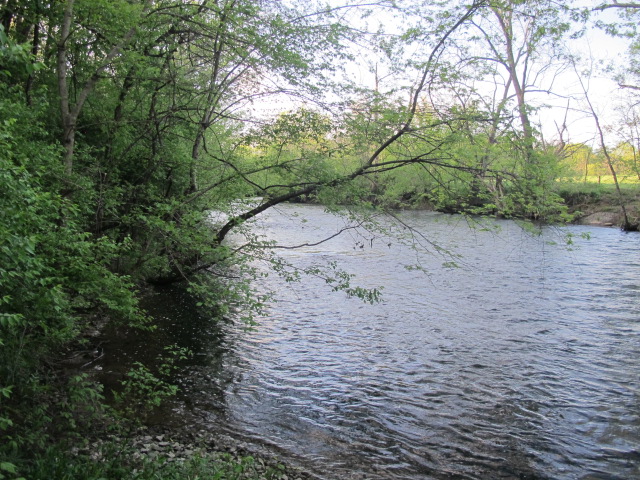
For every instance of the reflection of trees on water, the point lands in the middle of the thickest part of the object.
(208, 372)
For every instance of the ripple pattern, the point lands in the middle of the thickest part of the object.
(523, 363)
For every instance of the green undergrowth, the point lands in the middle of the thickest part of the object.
(75, 434)
(113, 461)
(70, 431)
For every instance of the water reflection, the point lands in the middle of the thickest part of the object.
(203, 379)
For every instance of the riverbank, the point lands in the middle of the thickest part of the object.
(599, 204)
(589, 203)
(98, 443)
(168, 453)
(165, 441)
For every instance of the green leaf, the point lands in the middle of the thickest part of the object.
(8, 467)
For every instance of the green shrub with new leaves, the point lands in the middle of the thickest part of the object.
(54, 278)
(143, 390)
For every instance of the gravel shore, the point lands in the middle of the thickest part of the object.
(172, 445)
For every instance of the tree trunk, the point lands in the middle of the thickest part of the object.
(627, 226)
(70, 113)
(506, 26)
(68, 120)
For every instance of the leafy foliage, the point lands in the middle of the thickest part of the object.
(143, 390)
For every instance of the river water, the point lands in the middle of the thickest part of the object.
(523, 362)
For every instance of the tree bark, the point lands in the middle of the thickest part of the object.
(68, 120)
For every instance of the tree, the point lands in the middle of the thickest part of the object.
(579, 159)
(626, 158)
(71, 108)
(524, 41)
(631, 134)
(626, 26)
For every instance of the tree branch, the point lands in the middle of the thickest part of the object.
(616, 4)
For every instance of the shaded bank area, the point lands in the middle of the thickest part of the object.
(138, 440)
(97, 416)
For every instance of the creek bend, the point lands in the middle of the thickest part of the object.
(522, 363)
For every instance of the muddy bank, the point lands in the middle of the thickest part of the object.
(607, 215)
(601, 219)
(599, 205)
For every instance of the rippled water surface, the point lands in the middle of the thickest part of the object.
(524, 362)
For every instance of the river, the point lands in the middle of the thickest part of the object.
(522, 362)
